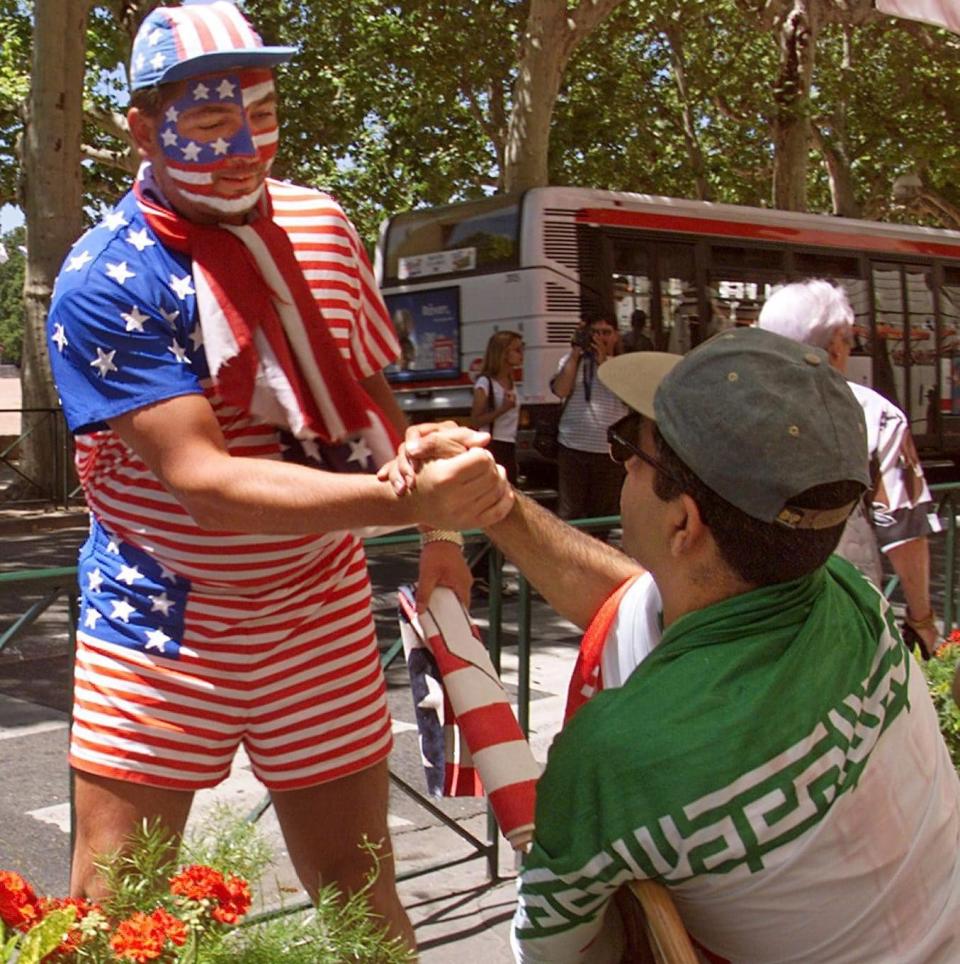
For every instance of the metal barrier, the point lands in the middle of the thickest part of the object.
(59, 490)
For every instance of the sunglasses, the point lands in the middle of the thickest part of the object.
(623, 439)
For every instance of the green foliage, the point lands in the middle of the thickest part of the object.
(46, 936)
(336, 931)
(939, 674)
(11, 296)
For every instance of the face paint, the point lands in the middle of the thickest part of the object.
(221, 131)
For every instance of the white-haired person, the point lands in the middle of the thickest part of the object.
(898, 514)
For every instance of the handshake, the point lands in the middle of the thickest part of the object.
(449, 477)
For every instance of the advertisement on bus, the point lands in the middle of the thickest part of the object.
(428, 329)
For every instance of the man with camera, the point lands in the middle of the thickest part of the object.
(589, 482)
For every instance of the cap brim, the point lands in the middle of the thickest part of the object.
(226, 60)
(635, 377)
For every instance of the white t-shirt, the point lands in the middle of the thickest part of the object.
(505, 425)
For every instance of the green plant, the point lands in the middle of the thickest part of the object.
(939, 673)
(168, 909)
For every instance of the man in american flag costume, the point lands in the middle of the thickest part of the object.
(218, 343)
(745, 725)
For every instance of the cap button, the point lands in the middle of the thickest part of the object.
(811, 359)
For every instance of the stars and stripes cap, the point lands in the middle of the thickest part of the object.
(174, 43)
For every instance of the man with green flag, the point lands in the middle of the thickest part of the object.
(744, 724)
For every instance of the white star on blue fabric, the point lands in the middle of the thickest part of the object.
(78, 261)
(196, 337)
(154, 37)
(182, 286)
(169, 316)
(157, 639)
(90, 618)
(179, 352)
(113, 548)
(434, 698)
(225, 88)
(201, 92)
(59, 337)
(114, 220)
(120, 272)
(122, 609)
(104, 362)
(139, 239)
(134, 318)
(158, 61)
(359, 450)
(129, 574)
(95, 580)
(161, 604)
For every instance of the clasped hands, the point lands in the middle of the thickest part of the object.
(446, 470)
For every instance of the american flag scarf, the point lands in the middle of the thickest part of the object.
(267, 344)
(482, 741)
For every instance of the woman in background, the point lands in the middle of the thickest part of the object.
(495, 409)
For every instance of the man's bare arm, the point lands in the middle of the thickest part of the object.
(181, 443)
(573, 571)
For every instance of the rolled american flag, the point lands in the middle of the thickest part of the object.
(484, 719)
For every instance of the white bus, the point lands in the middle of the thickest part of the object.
(540, 261)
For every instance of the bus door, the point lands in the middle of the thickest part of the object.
(658, 278)
(906, 342)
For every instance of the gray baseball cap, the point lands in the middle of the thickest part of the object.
(757, 417)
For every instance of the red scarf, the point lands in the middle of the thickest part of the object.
(323, 400)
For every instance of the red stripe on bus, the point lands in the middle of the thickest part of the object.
(764, 232)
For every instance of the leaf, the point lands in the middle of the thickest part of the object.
(46, 936)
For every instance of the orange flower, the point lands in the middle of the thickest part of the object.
(230, 897)
(197, 882)
(141, 937)
(234, 901)
(19, 906)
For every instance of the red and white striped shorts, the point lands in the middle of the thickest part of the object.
(294, 675)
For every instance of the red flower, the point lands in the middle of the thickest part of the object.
(197, 882)
(142, 937)
(234, 901)
(230, 897)
(19, 905)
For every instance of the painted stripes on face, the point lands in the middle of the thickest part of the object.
(221, 122)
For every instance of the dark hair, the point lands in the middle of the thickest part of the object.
(152, 100)
(760, 553)
(638, 318)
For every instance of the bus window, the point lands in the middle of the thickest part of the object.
(473, 236)
(905, 351)
(658, 278)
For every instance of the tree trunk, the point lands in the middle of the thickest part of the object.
(52, 197)
(552, 34)
(692, 141)
(791, 127)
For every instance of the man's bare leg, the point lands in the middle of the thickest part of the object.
(324, 827)
(107, 813)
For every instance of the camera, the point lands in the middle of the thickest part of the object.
(582, 338)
